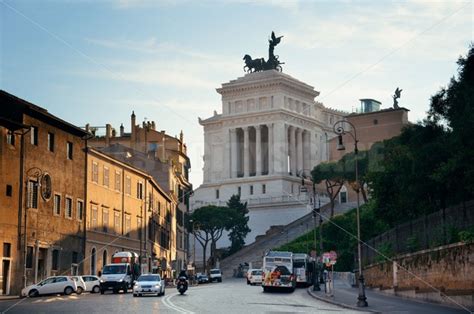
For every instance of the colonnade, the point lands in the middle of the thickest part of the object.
(267, 149)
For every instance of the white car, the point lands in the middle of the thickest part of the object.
(255, 276)
(149, 284)
(51, 285)
(92, 283)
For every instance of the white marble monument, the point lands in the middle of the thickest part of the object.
(271, 132)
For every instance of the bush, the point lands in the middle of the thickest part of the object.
(467, 236)
(413, 244)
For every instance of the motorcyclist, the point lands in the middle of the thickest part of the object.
(182, 273)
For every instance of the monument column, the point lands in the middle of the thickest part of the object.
(299, 150)
(233, 153)
(258, 150)
(246, 152)
(292, 150)
(270, 148)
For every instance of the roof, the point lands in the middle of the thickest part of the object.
(279, 254)
(14, 107)
(375, 112)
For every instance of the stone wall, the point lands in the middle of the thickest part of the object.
(448, 268)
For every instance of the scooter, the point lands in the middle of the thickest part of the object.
(182, 285)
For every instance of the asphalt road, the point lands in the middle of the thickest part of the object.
(230, 296)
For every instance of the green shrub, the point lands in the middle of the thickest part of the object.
(385, 251)
(467, 236)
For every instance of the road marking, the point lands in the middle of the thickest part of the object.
(167, 302)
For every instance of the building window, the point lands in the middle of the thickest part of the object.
(57, 204)
(9, 190)
(105, 178)
(69, 150)
(68, 207)
(239, 191)
(32, 194)
(55, 262)
(80, 210)
(7, 249)
(105, 219)
(51, 142)
(117, 222)
(94, 217)
(128, 185)
(95, 172)
(29, 257)
(376, 121)
(264, 188)
(217, 194)
(251, 190)
(10, 138)
(128, 225)
(34, 135)
(118, 181)
(139, 190)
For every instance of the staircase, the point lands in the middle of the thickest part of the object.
(275, 237)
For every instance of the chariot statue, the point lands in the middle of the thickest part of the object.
(259, 64)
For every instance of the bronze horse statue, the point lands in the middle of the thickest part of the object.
(253, 65)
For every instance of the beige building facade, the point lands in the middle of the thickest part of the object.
(42, 161)
(126, 211)
(165, 158)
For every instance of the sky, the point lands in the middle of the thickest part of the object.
(94, 62)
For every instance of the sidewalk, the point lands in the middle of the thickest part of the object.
(346, 296)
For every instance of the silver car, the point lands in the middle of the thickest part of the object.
(149, 284)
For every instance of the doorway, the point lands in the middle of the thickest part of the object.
(6, 276)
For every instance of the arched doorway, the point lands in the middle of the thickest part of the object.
(104, 258)
(343, 195)
(93, 261)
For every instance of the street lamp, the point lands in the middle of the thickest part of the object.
(339, 129)
(316, 211)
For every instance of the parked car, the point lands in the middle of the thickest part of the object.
(215, 275)
(202, 278)
(255, 276)
(81, 285)
(92, 283)
(149, 284)
(51, 285)
(248, 273)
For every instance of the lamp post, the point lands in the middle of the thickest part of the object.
(36, 173)
(316, 211)
(339, 129)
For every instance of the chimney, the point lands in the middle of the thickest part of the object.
(108, 133)
(121, 129)
(132, 137)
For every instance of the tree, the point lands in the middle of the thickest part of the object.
(238, 224)
(333, 176)
(209, 223)
(452, 107)
(347, 162)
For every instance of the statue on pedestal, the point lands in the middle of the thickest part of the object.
(256, 65)
(398, 91)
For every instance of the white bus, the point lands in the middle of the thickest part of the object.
(278, 271)
(303, 269)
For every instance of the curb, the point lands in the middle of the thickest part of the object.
(12, 297)
(351, 307)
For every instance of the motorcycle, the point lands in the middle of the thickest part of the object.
(182, 285)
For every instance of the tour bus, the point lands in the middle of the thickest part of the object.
(278, 271)
(303, 269)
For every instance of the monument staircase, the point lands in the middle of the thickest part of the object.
(275, 237)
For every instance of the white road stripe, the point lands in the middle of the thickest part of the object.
(167, 302)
